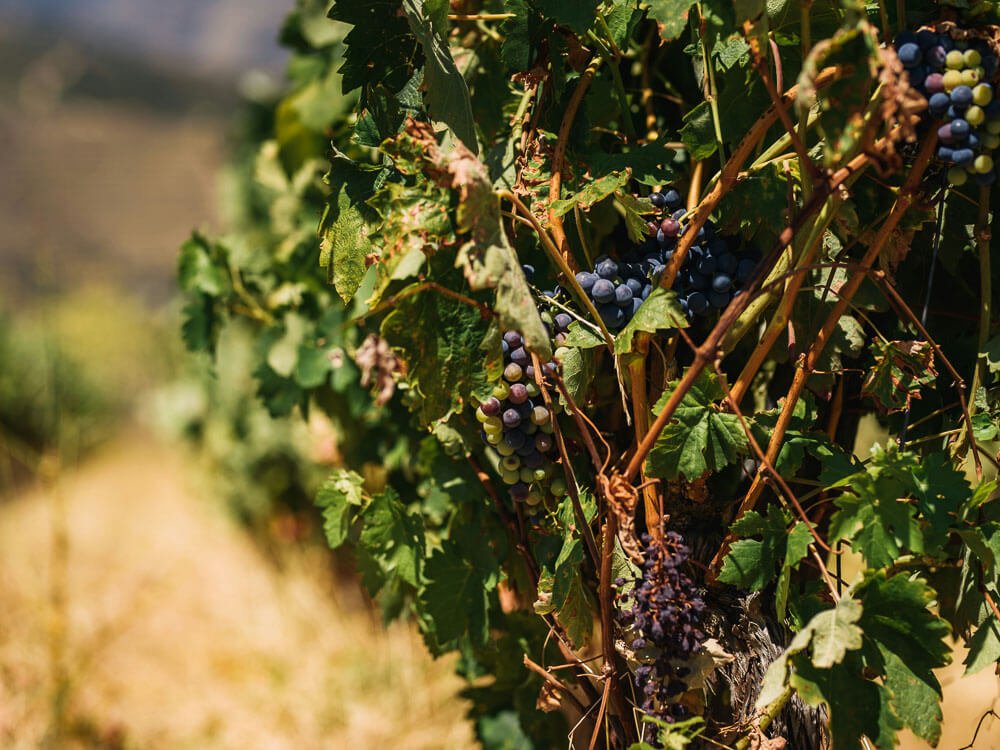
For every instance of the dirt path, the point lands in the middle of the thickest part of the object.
(178, 634)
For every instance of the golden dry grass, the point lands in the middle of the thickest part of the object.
(178, 634)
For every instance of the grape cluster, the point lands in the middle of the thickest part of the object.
(664, 623)
(714, 271)
(955, 77)
(715, 268)
(518, 425)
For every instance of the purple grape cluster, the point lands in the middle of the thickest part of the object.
(517, 424)
(714, 271)
(955, 77)
(662, 615)
(715, 268)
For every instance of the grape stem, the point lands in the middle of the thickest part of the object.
(904, 200)
(559, 157)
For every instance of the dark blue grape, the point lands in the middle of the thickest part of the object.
(961, 96)
(520, 356)
(518, 394)
(946, 154)
(519, 491)
(963, 156)
(719, 300)
(603, 291)
(607, 269)
(697, 303)
(562, 321)
(623, 296)
(635, 285)
(586, 280)
(512, 339)
(529, 271)
(722, 283)
(514, 438)
(534, 459)
(959, 128)
(926, 38)
(727, 263)
(745, 270)
(672, 199)
(707, 265)
(934, 56)
(909, 55)
(612, 315)
(938, 104)
(658, 199)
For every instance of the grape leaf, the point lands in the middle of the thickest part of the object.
(671, 16)
(698, 133)
(446, 91)
(752, 564)
(651, 163)
(578, 15)
(911, 642)
(984, 646)
(345, 225)
(700, 438)
(393, 537)
(380, 49)
(658, 312)
(459, 578)
(594, 191)
(339, 493)
(900, 370)
(570, 598)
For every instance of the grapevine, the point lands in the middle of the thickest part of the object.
(613, 308)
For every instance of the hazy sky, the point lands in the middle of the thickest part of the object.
(213, 36)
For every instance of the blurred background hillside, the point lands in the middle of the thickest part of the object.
(150, 594)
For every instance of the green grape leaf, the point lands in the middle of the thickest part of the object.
(393, 537)
(912, 641)
(439, 337)
(594, 191)
(446, 91)
(701, 438)
(578, 369)
(582, 336)
(577, 15)
(339, 494)
(660, 311)
(671, 17)
(900, 370)
(380, 49)
(521, 35)
(984, 646)
(698, 133)
(752, 564)
(570, 598)
(459, 579)
(346, 225)
(651, 163)
(635, 210)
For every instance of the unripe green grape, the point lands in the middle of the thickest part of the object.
(533, 499)
(972, 58)
(501, 390)
(481, 415)
(539, 475)
(513, 372)
(511, 463)
(540, 415)
(492, 422)
(952, 78)
(494, 439)
(532, 389)
(957, 176)
(975, 115)
(982, 94)
(558, 487)
(990, 141)
(491, 429)
(561, 353)
(548, 428)
(971, 76)
(529, 428)
(954, 60)
(983, 163)
(510, 477)
(993, 126)
(503, 449)
(526, 474)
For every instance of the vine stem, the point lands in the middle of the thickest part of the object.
(554, 681)
(904, 200)
(559, 157)
(711, 90)
(709, 349)
(983, 237)
(760, 61)
(783, 314)
(768, 715)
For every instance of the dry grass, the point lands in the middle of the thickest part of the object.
(179, 635)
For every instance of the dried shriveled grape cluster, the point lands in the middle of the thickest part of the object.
(662, 614)
(519, 426)
(955, 77)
